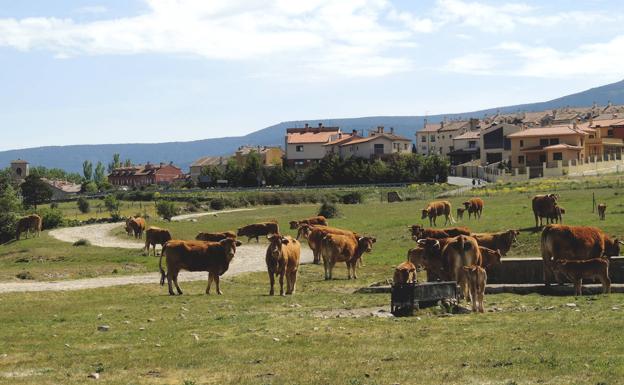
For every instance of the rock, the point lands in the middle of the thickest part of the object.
(99, 316)
(615, 308)
(184, 309)
(276, 339)
(315, 329)
(182, 315)
(66, 345)
(151, 320)
(158, 345)
(549, 308)
(141, 329)
(195, 336)
(95, 376)
(571, 304)
(127, 322)
(103, 328)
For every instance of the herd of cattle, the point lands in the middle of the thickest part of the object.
(456, 254)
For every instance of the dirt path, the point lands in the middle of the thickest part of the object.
(249, 258)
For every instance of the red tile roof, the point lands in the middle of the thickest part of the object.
(377, 136)
(310, 137)
(468, 135)
(560, 130)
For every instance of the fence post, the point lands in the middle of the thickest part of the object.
(593, 201)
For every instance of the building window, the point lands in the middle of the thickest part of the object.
(521, 159)
(472, 144)
(432, 138)
(299, 148)
(557, 156)
(423, 139)
(522, 143)
(554, 141)
(610, 132)
(450, 136)
(451, 148)
(405, 146)
(379, 148)
(591, 137)
(543, 142)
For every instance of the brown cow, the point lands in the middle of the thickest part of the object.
(282, 258)
(477, 279)
(461, 251)
(344, 248)
(318, 220)
(29, 224)
(257, 230)
(602, 209)
(156, 236)
(575, 271)
(575, 242)
(474, 206)
(418, 232)
(460, 213)
(215, 237)
(555, 216)
(404, 273)
(438, 208)
(128, 229)
(428, 255)
(489, 257)
(501, 241)
(137, 225)
(315, 234)
(213, 257)
(543, 206)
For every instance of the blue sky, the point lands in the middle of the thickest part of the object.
(74, 72)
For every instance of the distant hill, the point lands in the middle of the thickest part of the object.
(70, 158)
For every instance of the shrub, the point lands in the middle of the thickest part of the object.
(54, 205)
(51, 218)
(82, 242)
(25, 275)
(111, 203)
(352, 198)
(328, 210)
(166, 210)
(7, 226)
(83, 205)
(217, 204)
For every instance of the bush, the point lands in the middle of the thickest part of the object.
(166, 210)
(82, 242)
(51, 218)
(111, 203)
(328, 210)
(83, 205)
(7, 226)
(352, 198)
(217, 204)
(54, 205)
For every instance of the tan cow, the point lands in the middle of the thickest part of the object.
(213, 257)
(459, 252)
(314, 221)
(501, 241)
(602, 210)
(344, 248)
(29, 224)
(474, 206)
(156, 236)
(404, 273)
(137, 225)
(282, 258)
(438, 208)
(489, 257)
(215, 237)
(315, 234)
(574, 242)
(576, 271)
(543, 206)
(477, 279)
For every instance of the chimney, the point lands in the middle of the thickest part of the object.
(442, 123)
(473, 123)
(380, 129)
(307, 125)
(354, 133)
(392, 130)
(340, 135)
(425, 123)
(320, 125)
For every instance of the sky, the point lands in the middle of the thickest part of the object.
(119, 71)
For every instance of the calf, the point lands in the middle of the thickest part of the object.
(461, 251)
(156, 236)
(215, 237)
(460, 213)
(282, 258)
(318, 220)
(490, 258)
(257, 230)
(556, 215)
(498, 241)
(477, 279)
(405, 273)
(576, 271)
(213, 257)
(602, 209)
(344, 248)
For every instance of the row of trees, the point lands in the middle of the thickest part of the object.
(95, 179)
(332, 170)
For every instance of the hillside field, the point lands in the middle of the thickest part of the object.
(247, 337)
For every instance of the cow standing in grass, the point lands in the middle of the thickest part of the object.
(477, 279)
(257, 230)
(315, 234)
(498, 241)
(344, 248)
(436, 209)
(29, 224)
(459, 252)
(418, 232)
(576, 271)
(137, 225)
(602, 210)
(543, 207)
(156, 236)
(313, 221)
(282, 259)
(215, 237)
(474, 206)
(404, 273)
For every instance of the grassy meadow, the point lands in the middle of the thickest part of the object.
(325, 333)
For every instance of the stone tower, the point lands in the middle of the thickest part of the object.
(20, 169)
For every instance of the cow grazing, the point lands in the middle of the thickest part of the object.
(315, 234)
(460, 213)
(575, 242)
(318, 220)
(213, 257)
(258, 230)
(501, 241)
(282, 259)
(543, 207)
(418, 232)
(602, 210)
(156, 236)
(489, 257)
(404, 273)
(137, 225)
(28, 224)
(344, 248)
(477, 279)
(474, 206)
(576, 271)
(215, 237)
(438, 208)
(461, 251)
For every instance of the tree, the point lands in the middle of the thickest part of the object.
(233, 172)
(87, 170)
(89, 187)
(166, 210)
(111, 203)
(127, 163)
(99, 176)
(252, 172)
(83, 205)
(116, 163)
(35, 191)
(10, 206)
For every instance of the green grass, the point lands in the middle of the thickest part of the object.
(126, 209)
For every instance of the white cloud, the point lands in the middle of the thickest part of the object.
(92, 9)
(474, 63)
